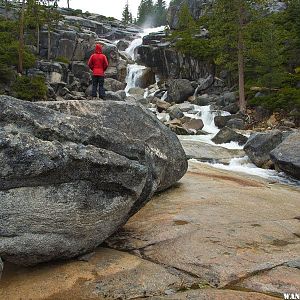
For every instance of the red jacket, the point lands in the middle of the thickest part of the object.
(98, 62)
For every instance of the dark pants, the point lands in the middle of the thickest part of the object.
(98, 81)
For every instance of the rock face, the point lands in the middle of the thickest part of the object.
(196, 7)
(179, 90)
(72, 173)
(286, 156)
(259, 146)
(170, 63)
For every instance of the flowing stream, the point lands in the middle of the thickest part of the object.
(207, 115)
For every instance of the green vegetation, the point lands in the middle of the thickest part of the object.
(126, 15)
(256, 48)
(152, 14)
(62, 60)
(30, 88)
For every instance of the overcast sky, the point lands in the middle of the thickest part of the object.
(108, 8)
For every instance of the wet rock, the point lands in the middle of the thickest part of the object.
(185, 107)
(229, 98)
(122, 45)
(219, 236)
(205, 83)
(227, 135)
(221, 121)
(75, 176)
(106, 273)
(286, 156)
(276, 281)
(236, 123)
(136, 91)
(162, 105)
(232, 108)
(146, 78)
(203, 100)
(194, 124)
(214, 294)
(259, 146)
(209, 153)
(179, 130)
(175, 112)
(179, 90)
(113, 85)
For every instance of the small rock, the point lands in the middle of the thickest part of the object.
(194, 124)
(221, 121)
(227, 135)
(175, 113)
(236, 123)
(162, 105)
(232, 108)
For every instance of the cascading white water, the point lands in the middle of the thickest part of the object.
(134, 71)
(165, 96)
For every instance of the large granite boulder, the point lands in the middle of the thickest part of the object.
(286, 156)
(259, 146)
(71, 173)
(113, 85)
(179, 90)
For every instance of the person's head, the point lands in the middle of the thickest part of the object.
(98, 48)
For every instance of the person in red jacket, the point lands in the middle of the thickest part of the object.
(98, 64)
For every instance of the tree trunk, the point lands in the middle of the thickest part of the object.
(242, 100)
(21, 39)
(49, 43)
(68, 1)
(38, 39)
(6, 9)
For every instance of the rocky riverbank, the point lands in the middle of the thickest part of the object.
(197, 240)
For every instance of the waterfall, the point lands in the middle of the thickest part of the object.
(165, 96)
(135, 71)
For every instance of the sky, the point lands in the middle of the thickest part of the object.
(108, 8)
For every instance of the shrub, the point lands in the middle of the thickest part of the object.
(62, 60)
(286, 99)
(6, 73)
(30, 88)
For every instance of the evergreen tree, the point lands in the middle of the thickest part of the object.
(145, 13)
(228, 26)
(51, 17)
(126, 15)
(160, 11)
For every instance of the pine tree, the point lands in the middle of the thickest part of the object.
(228, 26)
(160, 11)
(51, 16)
(21, 38)
(145, 13)
(126, 15)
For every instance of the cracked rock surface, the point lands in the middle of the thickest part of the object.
(73, 172)
(214, 235)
